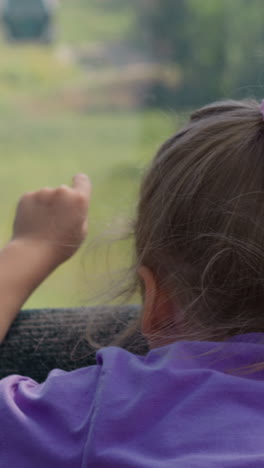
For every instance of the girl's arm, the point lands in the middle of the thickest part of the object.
(49, 227)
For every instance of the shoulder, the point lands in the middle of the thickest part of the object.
(48, 423)
(129, 374)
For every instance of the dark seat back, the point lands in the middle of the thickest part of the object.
(41, 340)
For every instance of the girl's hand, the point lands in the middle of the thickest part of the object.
(54, 220)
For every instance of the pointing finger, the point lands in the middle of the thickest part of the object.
(81, 183)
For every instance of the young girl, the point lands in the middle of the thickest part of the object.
(196, 399)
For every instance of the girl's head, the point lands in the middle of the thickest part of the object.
(199, 228)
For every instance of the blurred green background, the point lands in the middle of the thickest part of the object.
(117, 78)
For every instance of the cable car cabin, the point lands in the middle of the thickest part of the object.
(28, 20)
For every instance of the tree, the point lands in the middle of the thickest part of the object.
(219, 46)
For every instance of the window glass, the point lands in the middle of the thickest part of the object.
(96, 86)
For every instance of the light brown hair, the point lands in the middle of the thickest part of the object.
(199, 224)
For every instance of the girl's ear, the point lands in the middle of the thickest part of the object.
(150, 293)
(156, 305)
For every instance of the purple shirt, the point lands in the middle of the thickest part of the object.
(175, 407)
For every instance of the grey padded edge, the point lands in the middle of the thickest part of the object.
(41, 340)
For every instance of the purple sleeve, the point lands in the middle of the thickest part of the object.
(46, 425)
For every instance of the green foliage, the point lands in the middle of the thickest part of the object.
(219, 46)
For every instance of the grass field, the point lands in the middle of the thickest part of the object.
(94, 21)
(45, 145)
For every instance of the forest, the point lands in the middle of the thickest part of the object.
(218, 47)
